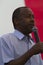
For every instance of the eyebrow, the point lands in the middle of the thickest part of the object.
(28, 15)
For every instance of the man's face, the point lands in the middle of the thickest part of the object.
(27, 21)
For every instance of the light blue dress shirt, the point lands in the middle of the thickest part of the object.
(1, 60)
(15, 45)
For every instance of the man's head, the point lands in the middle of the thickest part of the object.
(23, 20)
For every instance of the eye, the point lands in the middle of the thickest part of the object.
(29, 16)
(32, 16)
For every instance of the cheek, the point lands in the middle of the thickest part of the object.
(28, 29)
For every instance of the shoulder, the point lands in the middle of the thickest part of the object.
(8, 39)
(7, 36)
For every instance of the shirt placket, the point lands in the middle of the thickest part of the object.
(27, 41)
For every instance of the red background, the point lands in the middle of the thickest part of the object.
(37, 8)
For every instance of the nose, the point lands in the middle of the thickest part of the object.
(32, 21)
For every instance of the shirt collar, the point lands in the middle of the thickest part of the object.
(18, 34)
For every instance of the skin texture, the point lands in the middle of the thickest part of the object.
(24, 23)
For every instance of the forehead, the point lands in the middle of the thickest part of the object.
(26, 11)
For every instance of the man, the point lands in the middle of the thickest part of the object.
(18, 48)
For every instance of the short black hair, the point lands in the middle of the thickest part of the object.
(16, 15)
